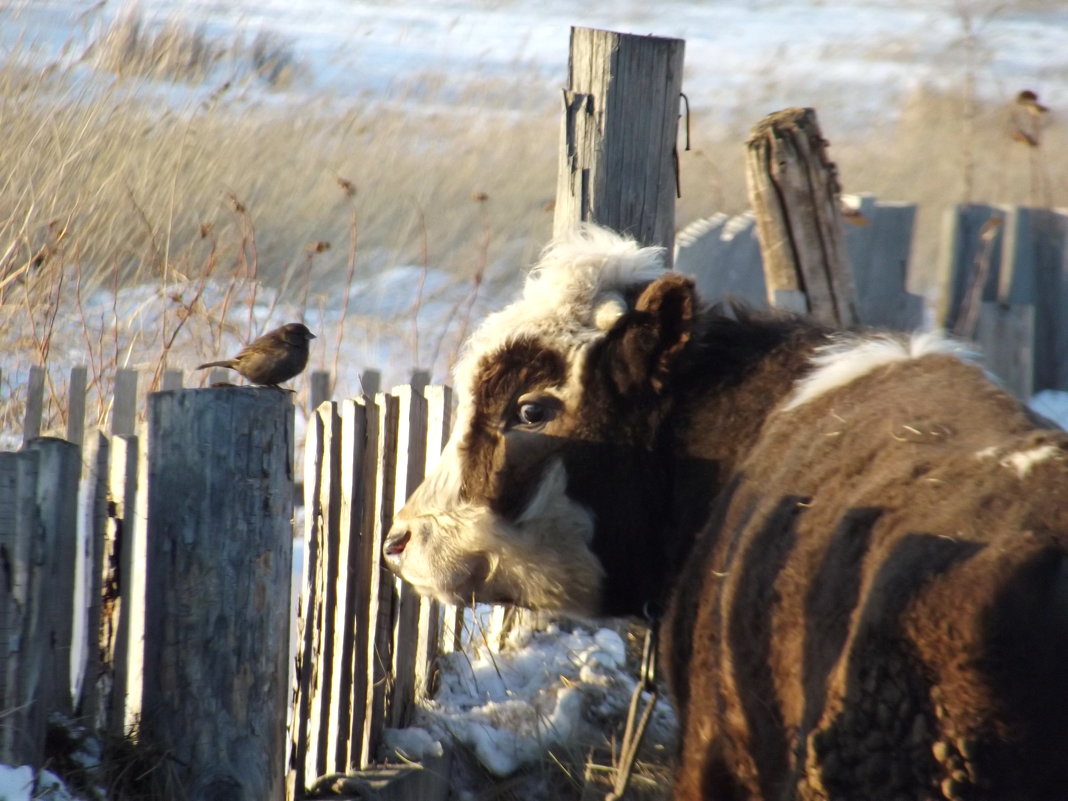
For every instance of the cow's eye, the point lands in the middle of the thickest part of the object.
(536, 411)
(532, 413)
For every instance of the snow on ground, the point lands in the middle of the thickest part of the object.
(16, 784)
(20, 784)
(543, 689)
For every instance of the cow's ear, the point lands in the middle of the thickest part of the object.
(645, 342)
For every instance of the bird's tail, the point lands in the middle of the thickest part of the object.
(224, 363)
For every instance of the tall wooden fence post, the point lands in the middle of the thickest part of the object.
(219, 559)
(618, 164)
(793, 187)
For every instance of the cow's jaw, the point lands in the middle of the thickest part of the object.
(463, 552)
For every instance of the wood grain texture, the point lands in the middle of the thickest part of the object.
(219, 559)
(617, 142)
(793, 188)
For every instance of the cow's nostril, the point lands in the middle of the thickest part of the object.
(395, 543)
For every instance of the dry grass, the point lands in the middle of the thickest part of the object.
(217, 198)
(221, 201)
(175, 51)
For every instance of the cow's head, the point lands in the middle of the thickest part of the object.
(550, 490)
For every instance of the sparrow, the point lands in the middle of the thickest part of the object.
(275, 357)
(1029, 101)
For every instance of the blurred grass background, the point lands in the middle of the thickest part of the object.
(135, 163)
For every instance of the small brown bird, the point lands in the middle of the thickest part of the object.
(275, 357)
(1029, 101)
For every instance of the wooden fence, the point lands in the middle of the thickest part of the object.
(185, 541)
(1004, 268)
(182, 534)
(367, 642)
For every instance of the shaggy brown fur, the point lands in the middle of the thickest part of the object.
(867, 593)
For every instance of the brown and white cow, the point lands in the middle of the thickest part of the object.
(859, 538)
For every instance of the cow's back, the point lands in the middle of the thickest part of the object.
(878, 606)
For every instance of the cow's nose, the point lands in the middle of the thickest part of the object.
(395, 544)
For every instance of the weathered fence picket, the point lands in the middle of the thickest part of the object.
(1005, 274)
(38, 510)
(367, 643)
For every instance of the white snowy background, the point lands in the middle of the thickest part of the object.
(548, 687)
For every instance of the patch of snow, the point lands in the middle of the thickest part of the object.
(546, 689)
(411, 744)
(16, 784)
(1051, 404)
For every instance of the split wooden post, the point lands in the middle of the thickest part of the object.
(96, 449)
(219, 560)
(793, 188)
(618, 164)
(120, 632)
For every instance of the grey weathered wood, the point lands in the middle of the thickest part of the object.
(220, 501)
(380, 608)
(723, 255)
(319, 390)
(450, 627)
(120, 639)
(617, 143)
(1035, 273)
(370, 382)
(300, 761)
(960, 250)
(90, 706)
(172, 379)
(56, 546)
(366, 596)
(342, 441)
(124, 403)
(31, 427)
(410, 469)
(351, 574)
(790, 300)
(793, 188)
(1006, 335)
(420, 380)
(323, 514)
(878, 244)
(22, 652)
(76, 405)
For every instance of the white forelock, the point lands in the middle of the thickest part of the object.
(570, 296)
(849, 357)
